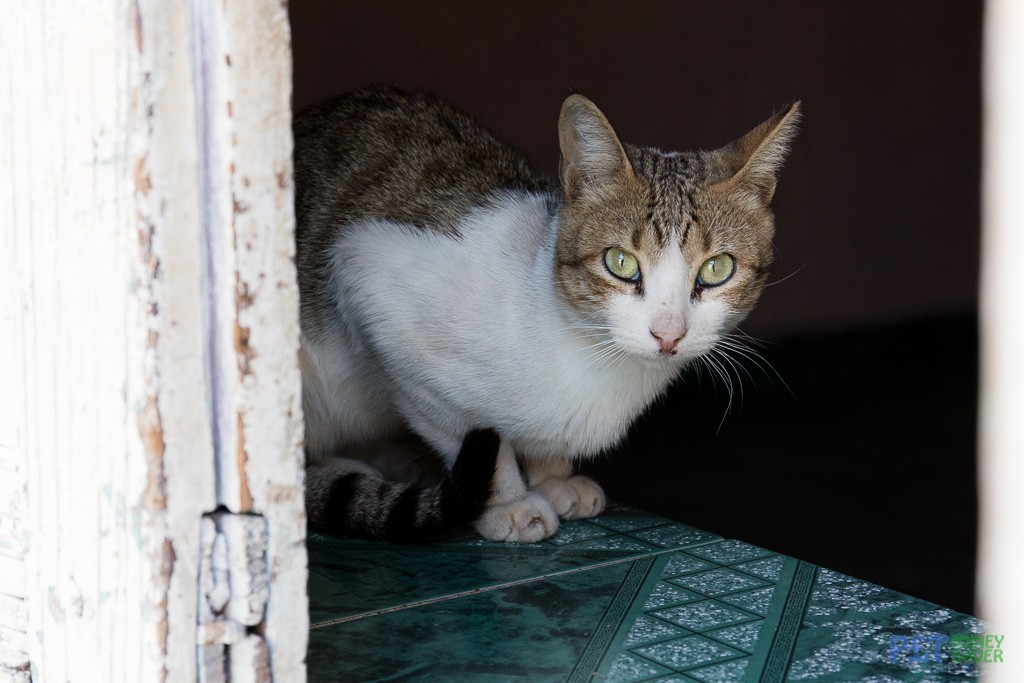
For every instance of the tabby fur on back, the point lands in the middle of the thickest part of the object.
(446, 288)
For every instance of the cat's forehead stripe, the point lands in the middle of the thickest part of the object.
(654, 216)
(670, 178)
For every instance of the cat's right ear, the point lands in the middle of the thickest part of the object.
(592, 156)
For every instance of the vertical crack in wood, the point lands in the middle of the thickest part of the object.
(212, 244)
(241, 458)
(221, 208)
(244, 354)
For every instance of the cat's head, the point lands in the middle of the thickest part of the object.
(664, 252)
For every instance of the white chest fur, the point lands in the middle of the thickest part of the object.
(469, 332)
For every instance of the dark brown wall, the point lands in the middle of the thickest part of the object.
(877, 209)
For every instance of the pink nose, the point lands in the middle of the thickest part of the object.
(668, 340)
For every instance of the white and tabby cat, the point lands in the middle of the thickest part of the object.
(446, 289)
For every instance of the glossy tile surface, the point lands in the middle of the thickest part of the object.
(623, 597)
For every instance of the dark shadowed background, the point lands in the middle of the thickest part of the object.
(861, 457)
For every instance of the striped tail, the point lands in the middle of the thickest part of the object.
(357, 504)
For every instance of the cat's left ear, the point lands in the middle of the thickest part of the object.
(752, 162)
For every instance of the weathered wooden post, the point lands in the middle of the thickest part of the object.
(151, 514)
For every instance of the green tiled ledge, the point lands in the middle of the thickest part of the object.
(627, 596)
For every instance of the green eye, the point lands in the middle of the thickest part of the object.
(716, 270)
(622, 264)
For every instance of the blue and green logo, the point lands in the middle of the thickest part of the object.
(960, 648)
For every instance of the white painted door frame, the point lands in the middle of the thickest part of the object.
(151, 510)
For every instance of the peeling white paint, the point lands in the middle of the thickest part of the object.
(127, 409)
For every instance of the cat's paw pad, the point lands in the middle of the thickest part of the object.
(574, 498)
(527, 520)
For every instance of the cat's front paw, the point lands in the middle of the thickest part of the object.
(574, 498)
(526, 520)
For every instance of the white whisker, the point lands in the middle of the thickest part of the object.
(754, 356)
(769, 284)
(719, 370)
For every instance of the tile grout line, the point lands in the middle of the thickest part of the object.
(498, 586)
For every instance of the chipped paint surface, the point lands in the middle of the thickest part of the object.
(138, 409)
(173, 423)
(248, 62)
(245, 502)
